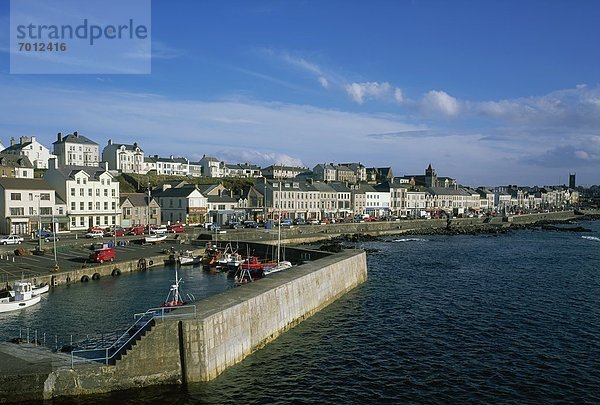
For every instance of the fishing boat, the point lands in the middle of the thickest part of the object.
(155, 238)
(23, 297)
(229, 259)
(174, 297)
(187, 258)
(282, 265)
(211, 255)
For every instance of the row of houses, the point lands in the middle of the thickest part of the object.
(75, 198)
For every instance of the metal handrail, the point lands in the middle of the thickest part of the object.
(142, 320)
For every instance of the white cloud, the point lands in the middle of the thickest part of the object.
(324, 82)
(398, 95)
(440, 102)
(191, 128)
(368, 90)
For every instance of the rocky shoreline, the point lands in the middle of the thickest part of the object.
(341, 242)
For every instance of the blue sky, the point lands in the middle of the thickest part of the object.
(488, 92)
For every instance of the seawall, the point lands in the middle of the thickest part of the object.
(227, 328)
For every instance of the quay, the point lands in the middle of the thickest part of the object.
(224, 330)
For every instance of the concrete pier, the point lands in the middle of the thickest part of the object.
(227, 328)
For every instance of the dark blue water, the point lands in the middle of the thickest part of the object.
(509, 318)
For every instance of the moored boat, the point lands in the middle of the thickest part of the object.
(174, 297)
(188, 258)
(155, 238)
(23, 297)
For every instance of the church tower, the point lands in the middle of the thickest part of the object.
(430, 177)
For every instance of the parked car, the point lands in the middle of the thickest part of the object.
(52, 237)
(96, 233)
(11, 240)
(176, 228)
(299, 221)
(158, 230)
(103, 255)
(118, 231)
(287, 222)
(235, 225)
(136, 230)
(314, 221)
(250, 224)
(44, 233)
(215, 227)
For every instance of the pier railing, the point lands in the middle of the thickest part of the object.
(143, 323)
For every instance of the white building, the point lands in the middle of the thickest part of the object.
(28, 205)
(76, 150)
(212, 167)
(184, 204)
(37, 153)
(91, 195)
(123, 157)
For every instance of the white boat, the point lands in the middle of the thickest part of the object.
(23, 297)
(187, 258)
(155, 238)
(283, 265)
(35, 290)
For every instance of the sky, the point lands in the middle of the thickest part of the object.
(488, 92)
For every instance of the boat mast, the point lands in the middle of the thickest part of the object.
(279, 217)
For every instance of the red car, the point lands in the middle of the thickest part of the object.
(116, 232)
(177, 228)
(103, 255)
(136, 230)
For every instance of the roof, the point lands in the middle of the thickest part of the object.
(136, 199)
(222, 198)
(17, 147)
(446, 191)
(184, 191)
(340, 187)
(24, 184)
(115, 146)
(75, 138)
(7, 159)
(68, 172)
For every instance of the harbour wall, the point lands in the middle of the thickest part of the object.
(315, 233)
(226, 329)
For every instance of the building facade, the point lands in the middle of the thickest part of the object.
(37, 153)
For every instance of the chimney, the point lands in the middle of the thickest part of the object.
(12, 141)
(52, 162)
(33, 139)
(59, 137)
(76, 134)
(105, 166)
(110, 141)
(24, 139)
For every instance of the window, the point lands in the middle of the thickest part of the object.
(97, 220)
(105, 192)
(46, 211)
(90, 206)
(73, 206)
(114, 220)
(84, 181)
(97, 192)
(45, 196)
(98, 206)
(15, 196)
(78, 181)
(30, 196)
(81, 206)
(73, 221)
(114, 206)
(31, 211)
(72, 192)
(105, 220)
(89, 192)
(105, 206)
(17, 211)
(81, 192)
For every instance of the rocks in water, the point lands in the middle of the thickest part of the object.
(333, 247)
(565, 229)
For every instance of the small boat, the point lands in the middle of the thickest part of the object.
(187, 258)
(174, 298)
(283, 265)
(211, 255)
(23, 297)
(155, 238)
